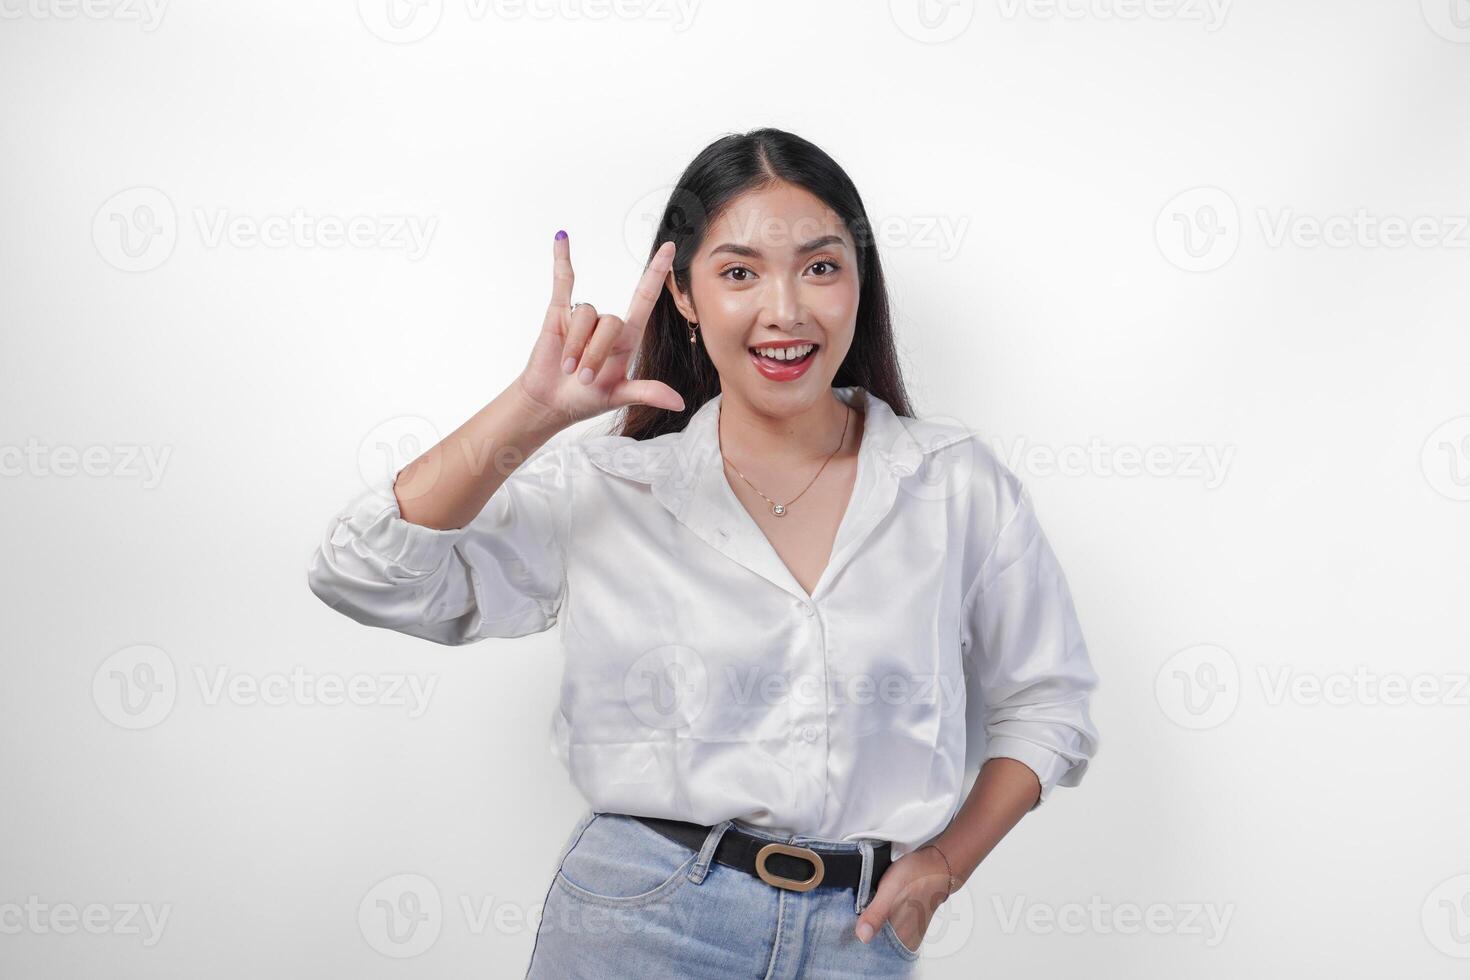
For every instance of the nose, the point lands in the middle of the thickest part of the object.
(783, 306)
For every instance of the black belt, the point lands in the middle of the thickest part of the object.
(777, 863)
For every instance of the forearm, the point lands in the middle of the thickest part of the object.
(1004, 792)
(447, 486)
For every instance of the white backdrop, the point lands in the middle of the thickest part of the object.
(1198, 268)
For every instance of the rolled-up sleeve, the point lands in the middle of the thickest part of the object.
(501, 575)
(1021, 631)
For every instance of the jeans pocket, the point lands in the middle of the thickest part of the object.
(892, 934)
(621, 862)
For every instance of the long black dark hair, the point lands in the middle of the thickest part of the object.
(727, 168)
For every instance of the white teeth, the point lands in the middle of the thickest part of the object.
(785, 353)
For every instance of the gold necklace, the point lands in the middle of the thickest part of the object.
(780, 509)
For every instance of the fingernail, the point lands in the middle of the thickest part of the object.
(586, 376)
(569, 365)
(560, 235)
(865, 931)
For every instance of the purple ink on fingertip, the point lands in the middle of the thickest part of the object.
(560, 235)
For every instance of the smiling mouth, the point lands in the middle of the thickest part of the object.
(783, 358)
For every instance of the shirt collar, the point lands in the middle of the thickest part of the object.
(685, 474)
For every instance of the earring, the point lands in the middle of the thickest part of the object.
(692, 328)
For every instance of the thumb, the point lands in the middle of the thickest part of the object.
(876, 913)
(647, 392)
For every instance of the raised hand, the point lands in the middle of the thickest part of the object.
(579, 366)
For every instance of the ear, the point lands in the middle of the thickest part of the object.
(686, 308)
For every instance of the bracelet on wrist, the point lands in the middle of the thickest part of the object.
(953, 883)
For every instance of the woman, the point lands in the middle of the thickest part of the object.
(788, 607)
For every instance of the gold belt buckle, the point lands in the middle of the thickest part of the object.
(806, 853)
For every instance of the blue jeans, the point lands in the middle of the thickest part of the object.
(628, 902)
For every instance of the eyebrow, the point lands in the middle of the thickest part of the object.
(754, 253)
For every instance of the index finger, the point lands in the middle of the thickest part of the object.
(561, 276)
(652, 283)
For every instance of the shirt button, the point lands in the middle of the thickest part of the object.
(809, 733)
(805, 607)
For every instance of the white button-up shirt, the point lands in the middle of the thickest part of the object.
(701, 682)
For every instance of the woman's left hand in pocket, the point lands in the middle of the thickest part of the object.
(909, 893)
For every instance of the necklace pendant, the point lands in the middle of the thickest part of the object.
(778, 509)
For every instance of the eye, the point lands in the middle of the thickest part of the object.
(827, 262)
(737, 268)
